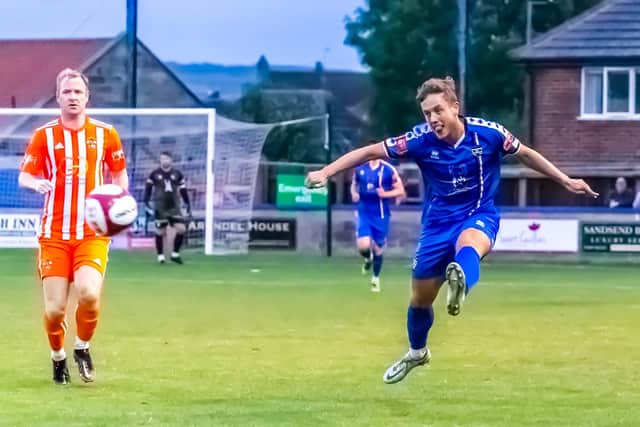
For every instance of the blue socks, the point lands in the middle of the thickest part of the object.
(469, 260)
(419, 321)
(377, 264)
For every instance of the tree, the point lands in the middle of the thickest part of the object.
(404, 42)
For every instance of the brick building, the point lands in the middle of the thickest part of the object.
(29, 69)
(584, 98)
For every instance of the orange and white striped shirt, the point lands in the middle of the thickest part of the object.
(73, 161)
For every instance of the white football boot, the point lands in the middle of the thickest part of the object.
(457, 287)
(375, 284)
(396, 372)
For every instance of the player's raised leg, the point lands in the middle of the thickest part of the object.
(180, 229)
(56, 291)
(420, 319)
(473, 243)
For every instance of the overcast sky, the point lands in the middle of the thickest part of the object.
(289, 32)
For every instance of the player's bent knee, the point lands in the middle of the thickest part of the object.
(364, 243)
(88, 284)
(55, 312)
(377, 249)
(476, 239)
(179, 228)
(88, 295)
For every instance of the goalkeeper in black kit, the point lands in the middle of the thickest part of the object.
(165, 182)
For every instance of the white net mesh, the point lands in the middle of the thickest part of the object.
(144, 134)
(235, 165)
(218, 157)
(238, 150)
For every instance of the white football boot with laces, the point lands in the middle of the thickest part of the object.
(396, 372)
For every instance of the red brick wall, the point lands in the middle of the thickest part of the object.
(560, 136)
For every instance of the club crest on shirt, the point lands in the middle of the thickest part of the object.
(117, 155)
(401, 143)
(91, 143)
(477, 151)
(508, 141)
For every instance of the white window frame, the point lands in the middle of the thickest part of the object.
(631, 114)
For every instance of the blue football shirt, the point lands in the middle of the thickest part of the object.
(367, 181)
(462, 179)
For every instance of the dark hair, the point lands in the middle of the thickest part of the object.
(446, 86)
(166, 153)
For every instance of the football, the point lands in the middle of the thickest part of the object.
(109, 209)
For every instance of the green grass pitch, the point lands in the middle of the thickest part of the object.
(303, 342)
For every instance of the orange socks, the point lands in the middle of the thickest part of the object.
(86, 321)
(56, 328)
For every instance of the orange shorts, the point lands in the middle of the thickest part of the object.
(63, 257)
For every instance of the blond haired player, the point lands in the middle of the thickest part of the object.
(64, 161)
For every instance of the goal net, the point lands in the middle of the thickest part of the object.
(219, 158)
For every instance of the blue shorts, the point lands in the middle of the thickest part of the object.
(437, 243)
(374, 227)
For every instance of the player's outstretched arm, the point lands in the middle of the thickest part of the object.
(536, 161)
(351, 159)
(120, 178)
(26, 180)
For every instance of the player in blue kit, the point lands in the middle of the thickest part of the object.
(460, 161)
(374, 185)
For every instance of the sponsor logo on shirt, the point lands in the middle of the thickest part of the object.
(416, 132)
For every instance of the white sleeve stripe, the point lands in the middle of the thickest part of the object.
(518, 146)
(386, 149)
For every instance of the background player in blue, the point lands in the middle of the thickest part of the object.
(460, 160)
(374, 185)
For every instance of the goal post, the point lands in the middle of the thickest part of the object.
(218, 156)
(145, 132)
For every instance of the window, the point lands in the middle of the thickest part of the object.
(592, 100)
(610, 91)
(618, 92)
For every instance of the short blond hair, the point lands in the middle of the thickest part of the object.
(70, 73)
(446, 86)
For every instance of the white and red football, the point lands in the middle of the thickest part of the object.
(109, 209)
